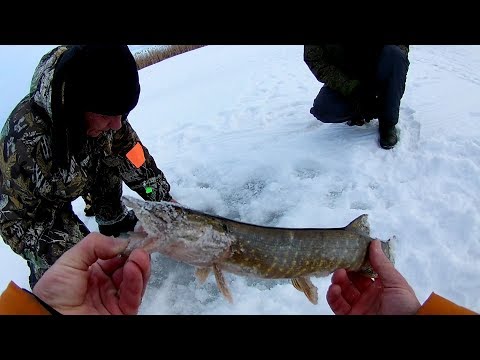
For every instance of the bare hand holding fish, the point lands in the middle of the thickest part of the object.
(215, 243)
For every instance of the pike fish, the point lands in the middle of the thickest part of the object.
(217, 244)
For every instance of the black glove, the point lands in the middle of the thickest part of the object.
(126, 224)
(365, 102)
(88, 205)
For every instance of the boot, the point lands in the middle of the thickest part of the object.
(388, 136)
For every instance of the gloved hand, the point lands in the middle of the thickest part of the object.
(88, 205)
(126, 224)
(365, 102)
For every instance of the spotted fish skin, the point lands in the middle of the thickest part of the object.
(280, 253)
(213, 242)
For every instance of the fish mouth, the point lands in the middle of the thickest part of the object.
(131, 202)
(138, 240)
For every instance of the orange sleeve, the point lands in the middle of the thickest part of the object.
(15, 301)
(437, 305)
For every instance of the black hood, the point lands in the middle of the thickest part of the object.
(96, 78)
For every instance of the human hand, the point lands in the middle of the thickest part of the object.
(91, 279)
(365, 102)
(390, 294)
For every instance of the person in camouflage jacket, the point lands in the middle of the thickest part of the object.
(361, 83)
(70, 137)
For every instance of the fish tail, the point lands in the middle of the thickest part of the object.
(389, 248)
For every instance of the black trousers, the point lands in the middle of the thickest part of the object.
(388, 83)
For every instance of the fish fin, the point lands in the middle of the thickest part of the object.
(221, 284)
(296, 285)
(305, 285)
(367, 270)
(201, 274)
(360, 225)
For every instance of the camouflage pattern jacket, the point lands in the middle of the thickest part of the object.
(32, 188)
(342, 67)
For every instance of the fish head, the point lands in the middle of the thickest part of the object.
(153, 216)
(179, 233)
